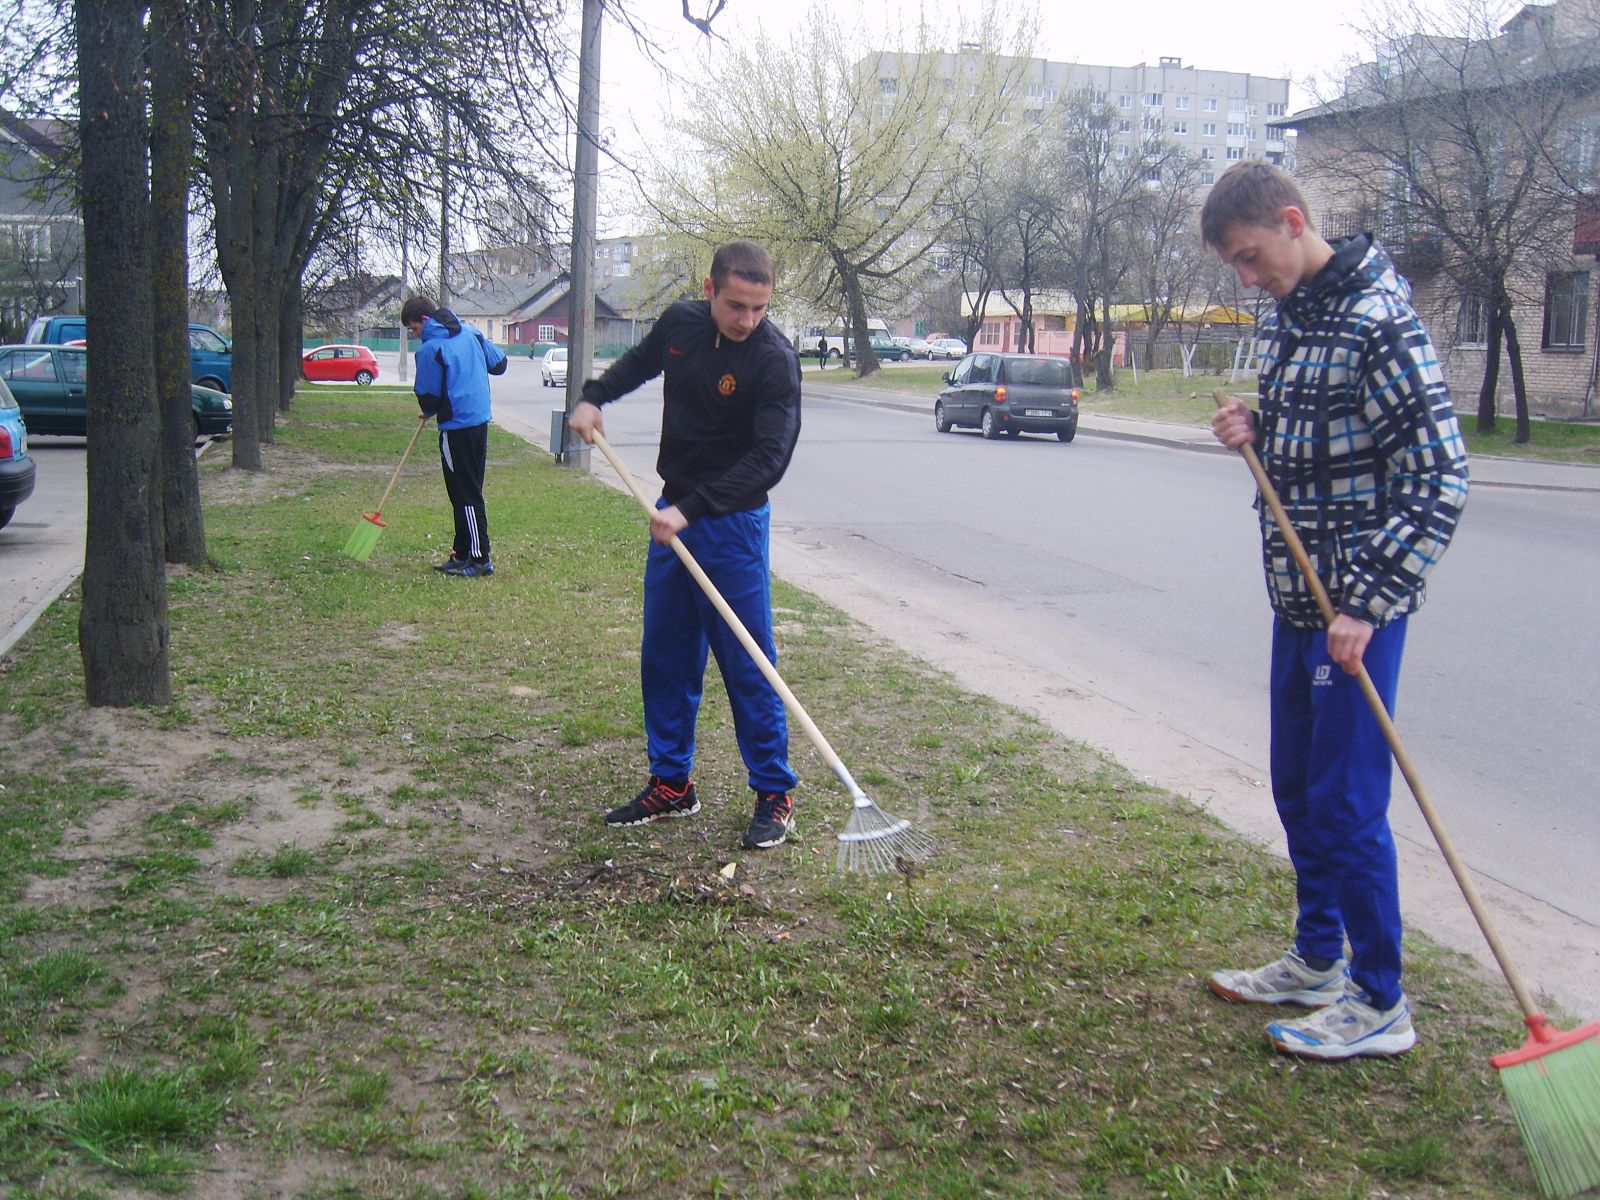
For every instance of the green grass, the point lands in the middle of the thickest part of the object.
(352, 926)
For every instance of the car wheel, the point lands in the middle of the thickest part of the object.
(364, 378)
(940, 421)
(991, 427)
(5, 516)
(1067, 434)
(213, 384)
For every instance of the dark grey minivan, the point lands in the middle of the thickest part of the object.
(1009, 394)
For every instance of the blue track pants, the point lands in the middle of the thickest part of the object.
(1331, 769)
(680, 624)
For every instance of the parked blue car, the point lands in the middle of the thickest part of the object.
(16, 464)
(210, 355)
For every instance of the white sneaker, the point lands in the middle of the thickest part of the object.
(1346, 1029)
(1287, 981)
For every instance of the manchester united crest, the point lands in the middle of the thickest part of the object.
(726, 384)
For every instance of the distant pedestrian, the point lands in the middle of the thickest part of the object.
(730, 420)
(454, 362)
(1357, 433)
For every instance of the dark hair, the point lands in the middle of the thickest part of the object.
(1249, 193)
(416, 308)
(747, 260)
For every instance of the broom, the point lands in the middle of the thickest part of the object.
(365, 538)
(872, 841)
(1552, 1081)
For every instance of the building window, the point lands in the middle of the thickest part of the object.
(1275, 109)
(1208, 153)
(1209, 104)
(1472, 322)
(888, 86)
(1152, 99)
(1124, 126)
(1180, 102)
(1151, 124)
(30, 243)
(1566, 309)
(1180, 128)
(1235, 129)
(547, 333)
(1124, 101)
(1235, 153)
(1208, 177)
(989, 335)
(1208, 129)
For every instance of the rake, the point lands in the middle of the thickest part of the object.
(873, 841)
(1552, 1081)
(364, 540)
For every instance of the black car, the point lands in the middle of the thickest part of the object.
(51, 384)
(1009, 394)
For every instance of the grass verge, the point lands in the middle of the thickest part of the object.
(344, 921)
(1168, 396)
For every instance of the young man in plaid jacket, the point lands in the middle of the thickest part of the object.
(1357, 433)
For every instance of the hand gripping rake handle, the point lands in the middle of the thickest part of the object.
(395, 478)
(1530, 1010)
(734, 623)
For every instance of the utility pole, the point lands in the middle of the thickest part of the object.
(443, 299)
(585, 186)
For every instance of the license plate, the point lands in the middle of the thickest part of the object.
(1038, 412)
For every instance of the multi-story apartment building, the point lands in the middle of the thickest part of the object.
(1219, 117)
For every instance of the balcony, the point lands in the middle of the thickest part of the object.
(1416, 249)
(1586, 225)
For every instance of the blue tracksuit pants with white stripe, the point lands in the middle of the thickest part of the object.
(1331, 770)
(680, 625)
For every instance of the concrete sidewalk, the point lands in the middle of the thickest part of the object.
(1487, 470)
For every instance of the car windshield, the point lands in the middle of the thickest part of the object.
(1046, 372)
(558, 356)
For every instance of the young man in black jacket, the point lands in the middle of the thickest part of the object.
(730, 420)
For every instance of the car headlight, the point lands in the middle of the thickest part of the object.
(227, 404)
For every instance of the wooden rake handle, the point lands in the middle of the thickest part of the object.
(1390, 733)
(750, 644)
(395, 478)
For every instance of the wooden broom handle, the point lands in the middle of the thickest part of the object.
(734, 623)
(395, 478)
(1390, 733)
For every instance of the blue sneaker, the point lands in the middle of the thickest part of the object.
(1346, 1029)
(477, 568)
(451, 564)
(774, 817)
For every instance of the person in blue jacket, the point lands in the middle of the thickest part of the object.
(454, 362)
(730, 420)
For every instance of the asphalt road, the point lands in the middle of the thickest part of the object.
(41, 550)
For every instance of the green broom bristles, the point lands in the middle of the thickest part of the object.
(365, 538)
(1553, 1086)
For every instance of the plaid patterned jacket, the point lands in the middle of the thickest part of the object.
(1357, 433)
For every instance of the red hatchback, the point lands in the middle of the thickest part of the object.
(339, 364)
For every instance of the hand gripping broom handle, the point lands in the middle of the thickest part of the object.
(395, 478)
(1457, 868)
(743, 634)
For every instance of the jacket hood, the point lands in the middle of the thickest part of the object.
(442, 323)
(1358, 264)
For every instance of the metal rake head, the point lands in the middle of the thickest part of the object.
(875, 843)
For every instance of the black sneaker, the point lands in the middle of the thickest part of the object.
(451, 564)
(773, 819)
(661, 800)
(472, 568)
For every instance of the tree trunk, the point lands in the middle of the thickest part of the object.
(233, 183)
(171, 153)
(1491, 369)
(291, 338)
(122, 632)
(1519, 386)
(268, 300)
(860, 337)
